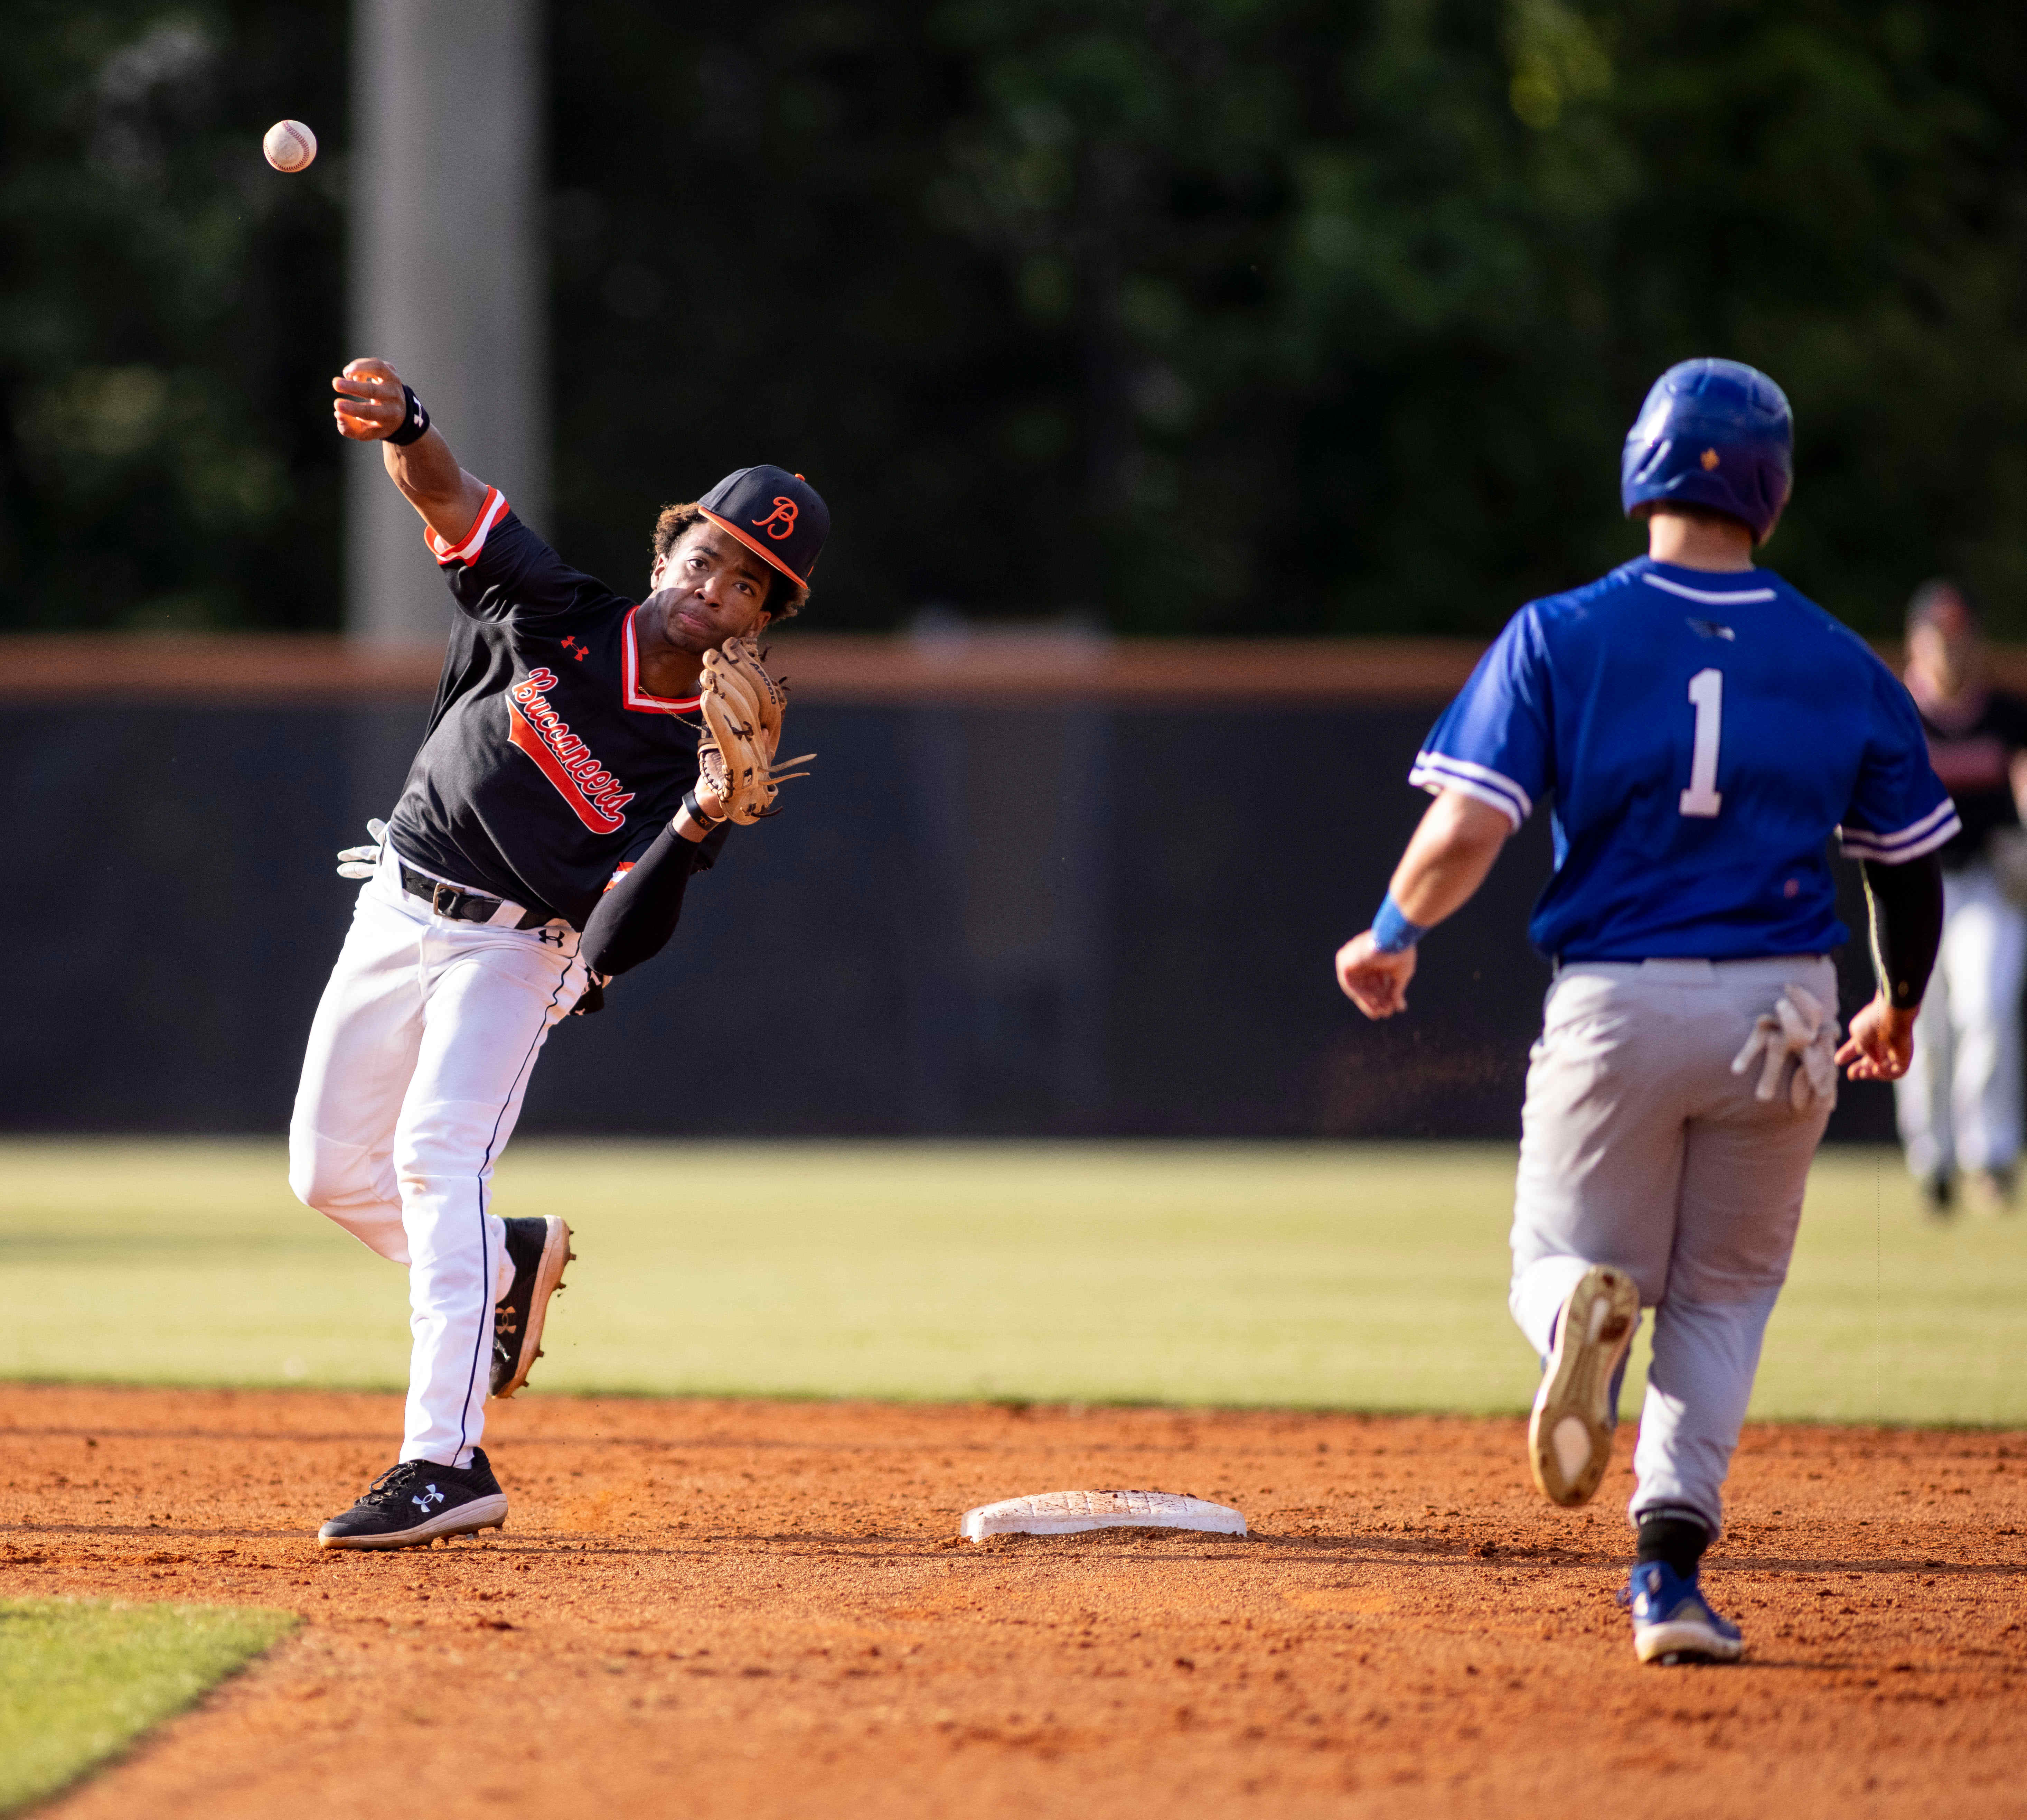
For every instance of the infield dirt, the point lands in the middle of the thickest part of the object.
(757, 1609)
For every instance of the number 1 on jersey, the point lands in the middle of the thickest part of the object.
(1707, 697)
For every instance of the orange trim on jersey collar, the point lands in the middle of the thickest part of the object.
(754, 544)
(631, 694)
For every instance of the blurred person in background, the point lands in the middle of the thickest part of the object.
(1959, 1104)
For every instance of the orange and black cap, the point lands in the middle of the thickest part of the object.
(776, 514)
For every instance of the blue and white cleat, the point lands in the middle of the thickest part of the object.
(1672, 1621)
(1569, 1435)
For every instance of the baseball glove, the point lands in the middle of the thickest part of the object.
(742, 707)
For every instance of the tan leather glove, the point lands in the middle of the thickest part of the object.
(742, 707)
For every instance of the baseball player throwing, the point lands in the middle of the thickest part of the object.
(1702, 728)
(542, 844)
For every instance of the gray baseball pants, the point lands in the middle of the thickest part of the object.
(1640, 1148)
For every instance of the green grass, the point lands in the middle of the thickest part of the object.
(79, 1682)
(1368, 1277)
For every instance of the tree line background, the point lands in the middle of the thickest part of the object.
(1221, 316)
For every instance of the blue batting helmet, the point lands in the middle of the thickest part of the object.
(1717, 434)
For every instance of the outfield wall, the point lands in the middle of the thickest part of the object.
(1037, 886)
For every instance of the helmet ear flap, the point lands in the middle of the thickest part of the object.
(1653, 460)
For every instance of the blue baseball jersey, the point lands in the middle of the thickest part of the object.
(1702, 735)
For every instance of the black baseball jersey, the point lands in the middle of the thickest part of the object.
(546, 766)
(1974, 759)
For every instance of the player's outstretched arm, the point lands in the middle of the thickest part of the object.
(371, 406)
(1906, 906)
(1445, 862)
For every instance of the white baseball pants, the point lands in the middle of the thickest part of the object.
(1640, 1148)
(419, 1057)
(1958, 1105)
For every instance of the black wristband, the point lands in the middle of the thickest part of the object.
(415, 423)
(708, 823)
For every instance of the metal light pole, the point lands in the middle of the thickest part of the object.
(447, 273)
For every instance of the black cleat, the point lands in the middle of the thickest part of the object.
(419, 1502)
(538, 1249)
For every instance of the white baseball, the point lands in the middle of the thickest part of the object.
(289, 146)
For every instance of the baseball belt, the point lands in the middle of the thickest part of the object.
(462, 906)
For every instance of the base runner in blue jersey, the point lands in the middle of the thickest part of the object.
(1700, 730)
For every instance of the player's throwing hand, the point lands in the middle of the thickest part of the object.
(370, 405)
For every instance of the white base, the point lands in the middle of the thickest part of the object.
(1068, 1513)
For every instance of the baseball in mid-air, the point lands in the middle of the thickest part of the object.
(289, 146)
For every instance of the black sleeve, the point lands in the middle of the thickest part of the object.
(1905, 904)
(503, 567)
(637, 914)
